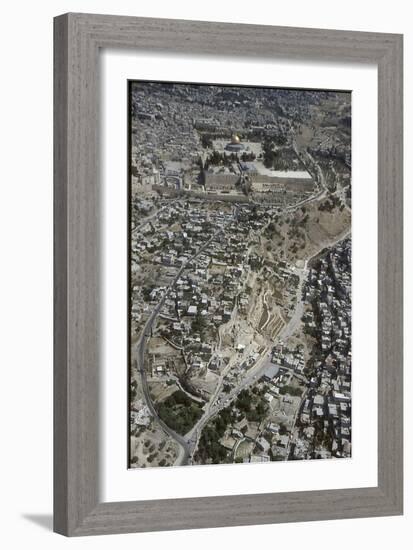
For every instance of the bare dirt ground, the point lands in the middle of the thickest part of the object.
(149, 446)
(304, 138)
(312, 230)
(161, 391)
(152, 448)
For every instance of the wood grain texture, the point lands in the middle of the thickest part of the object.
(78, 38)
(390, 273)
(60, 277)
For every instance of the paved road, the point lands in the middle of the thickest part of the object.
(147, 220)
(258, 370)
(189, 442)
(183, 446)
(152, 216)
(182, 441)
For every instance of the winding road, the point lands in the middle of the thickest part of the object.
(183, 442)
(188, 443)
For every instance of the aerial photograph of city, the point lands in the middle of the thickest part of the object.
(239, 299)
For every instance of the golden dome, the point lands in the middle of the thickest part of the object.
(235, 139)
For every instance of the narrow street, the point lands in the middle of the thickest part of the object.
(182, 442)
(189, 442)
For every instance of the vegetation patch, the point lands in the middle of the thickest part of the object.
(254, 407)
(179, 412)
(210, 449)
(291, 390)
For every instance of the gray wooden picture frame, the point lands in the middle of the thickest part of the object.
(77, 506)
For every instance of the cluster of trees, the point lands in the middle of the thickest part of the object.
(272, 231)
(291, 390)
(322, 438)
(199, 323)
(335, 152)
(221, 159)
(255, 262)
(329, 204)
(254, 407)
(206, 141)
(146, 292)
(269, 156)
(280, 139)
(273, 160)
(216, 159)
(209, 447)
(179, 412)
(248, 157)
(277, 159)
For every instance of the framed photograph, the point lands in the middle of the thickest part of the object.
(228, 274)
